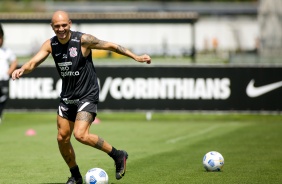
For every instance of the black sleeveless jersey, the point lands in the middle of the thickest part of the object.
(79, 79)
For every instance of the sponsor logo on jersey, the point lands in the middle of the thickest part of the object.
(69, 73)
(67, 101)
(65, 63)
(55, 43)
(65, 69)
(75, 39)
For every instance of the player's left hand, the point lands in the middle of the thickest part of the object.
(144, 59)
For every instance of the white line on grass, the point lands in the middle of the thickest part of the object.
(177, 139)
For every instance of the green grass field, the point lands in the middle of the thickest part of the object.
(166, 150)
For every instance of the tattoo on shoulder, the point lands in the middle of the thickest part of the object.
(89, 39)
(120, 49)
(84, 116)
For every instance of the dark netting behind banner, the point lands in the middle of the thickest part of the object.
(270, 26)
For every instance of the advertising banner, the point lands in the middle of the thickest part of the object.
(161, 88)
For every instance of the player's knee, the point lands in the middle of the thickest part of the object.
(81, 137)
(63, 137)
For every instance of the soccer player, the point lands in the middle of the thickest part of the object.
(8, 63)
(72, 55)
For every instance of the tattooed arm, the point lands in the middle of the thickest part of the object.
(91, 42)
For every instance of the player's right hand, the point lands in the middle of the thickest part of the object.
(17, 73)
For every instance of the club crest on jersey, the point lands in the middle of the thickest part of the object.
(73, 52)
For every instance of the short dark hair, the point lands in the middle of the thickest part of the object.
(1, 30)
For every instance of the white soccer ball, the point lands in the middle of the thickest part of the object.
(213, 161)
(96, 176)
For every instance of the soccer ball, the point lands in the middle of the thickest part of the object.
(213, 161)
(96, 176)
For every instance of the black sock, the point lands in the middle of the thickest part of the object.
(75, 172)
(114, 153)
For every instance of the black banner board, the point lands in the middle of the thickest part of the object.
(161, 88)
